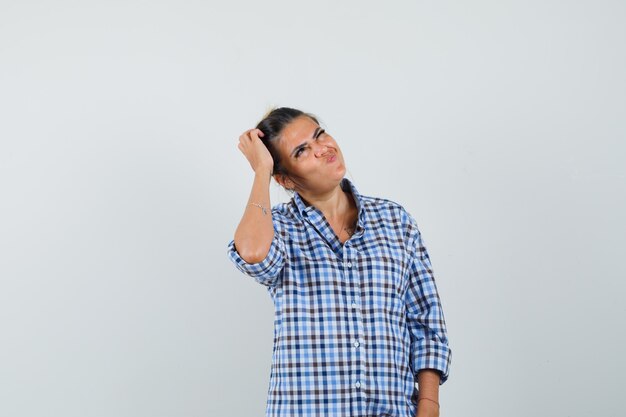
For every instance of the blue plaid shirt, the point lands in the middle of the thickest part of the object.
(354, 322)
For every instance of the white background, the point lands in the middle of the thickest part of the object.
(500, 125)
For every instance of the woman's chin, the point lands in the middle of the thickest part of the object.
(342, 170)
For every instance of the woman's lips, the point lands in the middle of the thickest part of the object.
(331, 159)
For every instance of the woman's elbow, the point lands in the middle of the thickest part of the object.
(251, 254)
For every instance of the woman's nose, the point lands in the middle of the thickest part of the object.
(321, 150)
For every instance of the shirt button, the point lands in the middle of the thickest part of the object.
(353, 304)
(357, 344)
(348, 264)
(358, 384)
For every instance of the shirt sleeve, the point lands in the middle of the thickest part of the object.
(425, 319)
(267, 272)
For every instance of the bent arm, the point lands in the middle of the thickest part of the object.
(255, 231)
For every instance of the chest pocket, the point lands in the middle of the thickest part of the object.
(383, 270)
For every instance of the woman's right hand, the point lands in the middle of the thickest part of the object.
(255, 151)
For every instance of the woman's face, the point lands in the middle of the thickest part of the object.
(311, 156)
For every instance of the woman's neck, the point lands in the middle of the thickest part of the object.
(334, 204)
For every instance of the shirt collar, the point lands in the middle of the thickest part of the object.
(346, 185)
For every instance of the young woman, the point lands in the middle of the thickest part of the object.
(358, 320)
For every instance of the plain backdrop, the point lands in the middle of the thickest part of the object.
(499, 125)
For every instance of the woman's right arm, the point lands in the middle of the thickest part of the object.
(255, 231)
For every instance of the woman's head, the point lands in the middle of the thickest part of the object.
(272, 126)
(306, 158)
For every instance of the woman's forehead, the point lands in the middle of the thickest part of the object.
(297, 132)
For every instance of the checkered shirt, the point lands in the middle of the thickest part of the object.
(354, 322)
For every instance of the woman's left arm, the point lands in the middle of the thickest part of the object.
(430, 352)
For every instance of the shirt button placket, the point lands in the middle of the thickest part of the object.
(357, 366)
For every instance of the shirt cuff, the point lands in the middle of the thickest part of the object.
(428, 354)
(267, 271)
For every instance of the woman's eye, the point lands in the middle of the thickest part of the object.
(298, 152)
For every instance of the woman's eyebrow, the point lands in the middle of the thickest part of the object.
(317, 131)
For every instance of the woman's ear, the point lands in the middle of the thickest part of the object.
(284, 181)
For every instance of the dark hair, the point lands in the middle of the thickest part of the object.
(272, 126)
